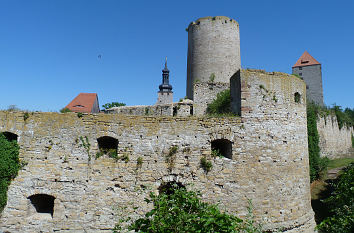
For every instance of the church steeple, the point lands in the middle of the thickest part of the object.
(165, 86)
(165, 95)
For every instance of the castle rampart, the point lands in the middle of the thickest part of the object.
(268, 163)
(334, 142)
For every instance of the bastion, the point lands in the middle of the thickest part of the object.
(65, 188)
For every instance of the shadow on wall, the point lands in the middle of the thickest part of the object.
(235, 90)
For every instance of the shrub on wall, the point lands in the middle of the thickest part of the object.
(221, 105)
(9, 166)
(180, 210)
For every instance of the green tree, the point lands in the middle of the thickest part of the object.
(9, 166)
(341, 204)
(179, 210)
(113, 104)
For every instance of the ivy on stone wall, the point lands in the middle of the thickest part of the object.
(9, 166)
(317, 164)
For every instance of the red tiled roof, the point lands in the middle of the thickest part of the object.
(306, 60)
(83, 102)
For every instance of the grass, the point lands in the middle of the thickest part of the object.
(342, 162)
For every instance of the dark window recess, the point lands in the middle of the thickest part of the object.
(222, 147)
(43, 203)
(300, 74)
(191, 110)
(107, 143)
(297, 97)
(10, 136)
(170, 187)
(307, 86)
(300, 68)
(175, 111)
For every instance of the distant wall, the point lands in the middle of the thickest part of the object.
(183, 108)
(334, 142)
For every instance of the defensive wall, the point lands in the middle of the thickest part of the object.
(334, 142)
(64, 188)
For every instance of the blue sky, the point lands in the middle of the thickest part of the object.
(49, 49)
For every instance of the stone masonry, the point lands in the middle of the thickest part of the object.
(268, 163)
(213, 51)
(334, 142)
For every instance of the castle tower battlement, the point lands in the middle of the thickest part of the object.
(213, 51)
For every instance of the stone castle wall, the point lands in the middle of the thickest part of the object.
(334, 142)
(268, 163)
(205, 93)
(183, 108)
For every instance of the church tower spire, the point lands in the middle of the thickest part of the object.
(165, 95)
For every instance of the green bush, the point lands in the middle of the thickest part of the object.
(344, 118)
(205, 164)
(183, 211)
(113, 104)
(65, 110)
(221, 105)
(9, 166)
(341, 204)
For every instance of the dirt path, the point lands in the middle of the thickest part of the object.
(333, 173)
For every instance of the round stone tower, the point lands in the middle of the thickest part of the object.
(213, 51)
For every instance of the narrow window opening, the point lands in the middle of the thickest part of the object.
(175, 111)
(43, 203)
(107, 145)
(10, 136)
(222, 148)
(170, 187)
(191, 110)
(300, 74)
(297, 97)
(300, 68)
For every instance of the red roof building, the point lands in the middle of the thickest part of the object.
(85, 102)
(306, 60)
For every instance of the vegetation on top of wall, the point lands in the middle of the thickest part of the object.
(183, 211)
(113, 104)
(65, 110)
(345, 117)
(298, 76)
(9, 166)
(221, 106)
(341, 204)
(317, 164)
